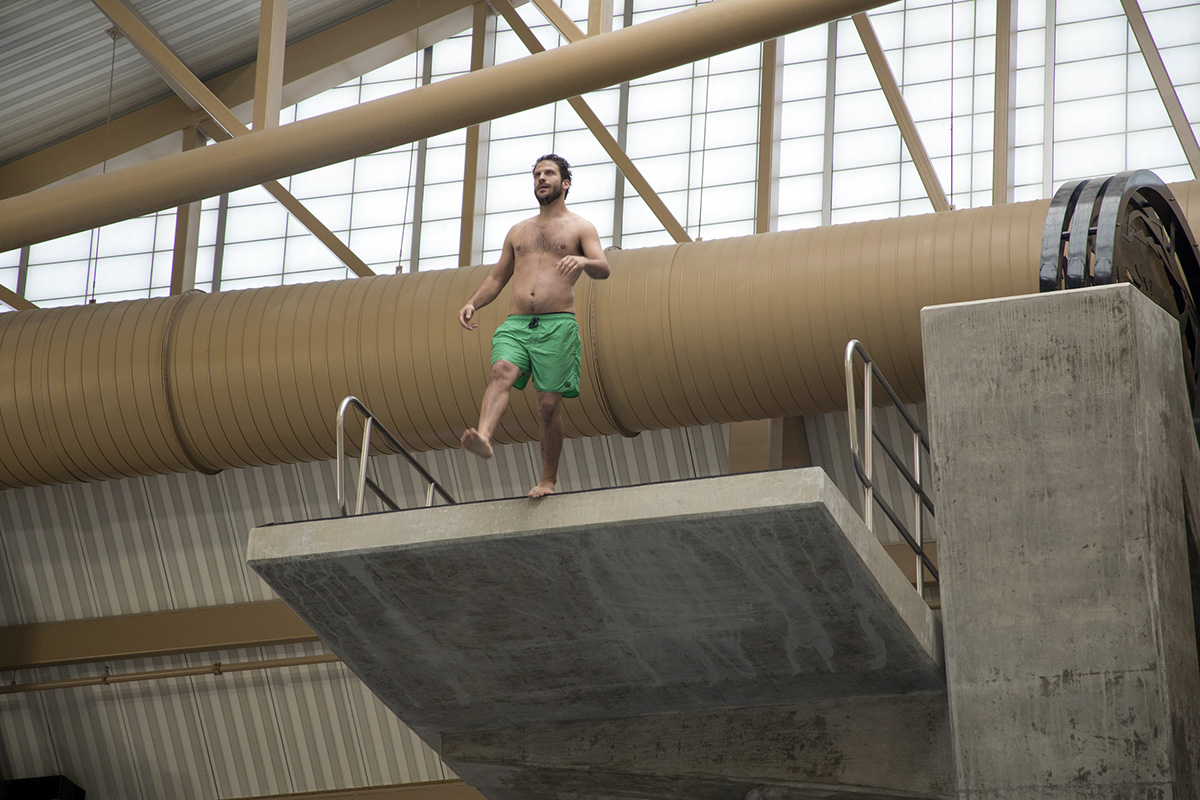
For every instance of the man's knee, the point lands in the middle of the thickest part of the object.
(548, 404)
(505, 372)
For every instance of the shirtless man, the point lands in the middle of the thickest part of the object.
(543, 256)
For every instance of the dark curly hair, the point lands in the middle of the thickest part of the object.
(564, 169)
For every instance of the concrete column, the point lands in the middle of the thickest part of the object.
(1067, 477)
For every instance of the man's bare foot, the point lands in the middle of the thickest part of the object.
(542, 489)
(473, 441)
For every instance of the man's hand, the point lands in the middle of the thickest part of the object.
(571, 266)
(464, 317)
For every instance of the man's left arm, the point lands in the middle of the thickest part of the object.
(592, 259)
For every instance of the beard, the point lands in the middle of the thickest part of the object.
(549, 198)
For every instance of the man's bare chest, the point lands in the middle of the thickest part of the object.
(537, 240)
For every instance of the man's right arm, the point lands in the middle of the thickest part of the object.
(491, 286)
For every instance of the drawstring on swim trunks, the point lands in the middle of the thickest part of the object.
(533, 323)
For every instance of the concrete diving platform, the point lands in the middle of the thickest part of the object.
(737, 636)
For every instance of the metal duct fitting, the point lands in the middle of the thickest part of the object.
(718, 331)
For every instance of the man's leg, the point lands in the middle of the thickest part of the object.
(495, 402)
(550, 427)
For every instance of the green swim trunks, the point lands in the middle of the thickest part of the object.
(546, 346)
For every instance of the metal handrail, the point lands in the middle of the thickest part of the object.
(364, 453)
(864, 461)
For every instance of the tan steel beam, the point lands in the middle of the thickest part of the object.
(194, 93)
(15, 300)
(908, 130)
(593, 123)
(430, 790)
(1162, 81)
(268, 69)
(187, 230)
(1002, 106)
(600, 17)
(194, 630)
(442, 106)
(320, 62)
(559, 19)
(770, 108)
(470, 235)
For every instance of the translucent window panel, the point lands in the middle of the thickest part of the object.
(924, 64)
(730, 165)
(439, 238)
(848, 41)
(508, 45)
(727, 230)
(806, 45)
(404, 69)
(665, 173)
(927, 25)
(375, 245)
(795, 222)
(11, 258)
(1030, 47)
(802, 118)
(123, 273)
(452, 56)
(334, 179)
(252, 282)
(730, 91)
(861, 110)
(868, 185)
(600, 214)
(1083, 40)
(249, 223)
(374, 91)
(327, 101)
(1094, 117)
(128, 236)
(842, 216)
(1181, 63)
(658, 137)
(1145, 110)
(639, 218)
(1022, 193)
(62, 279)
(1154, 149)
(385, 171)
(1174, 174)
(578, 147)
(804, 81)
(727, 128)
(205, 256)
(659, 100)
(855, 74)
(512, 155)
(889, 28)
(1076, 80)
(741, 60)
(441, 200)
(927, 101)
(1031, 15)
(208, 226)
(65, 248)
(719, 204)
(606, 104)
(1085, 158)
(1085, 10)
(315, 276)
(866, 148)
(592, 183)
(801, 156)
(1178, 26)
(1027, 165)
(1030, 87)
(444, 164)
(305, 253)
(248, 259)
(657, 238)
(251, 195)
(1027, 124)
(510, 193)
(334, 212)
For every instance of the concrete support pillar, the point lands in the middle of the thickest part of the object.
(1068, 481)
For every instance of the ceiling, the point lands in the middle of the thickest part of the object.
(61, 73)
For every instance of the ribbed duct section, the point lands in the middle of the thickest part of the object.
(727, 330)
